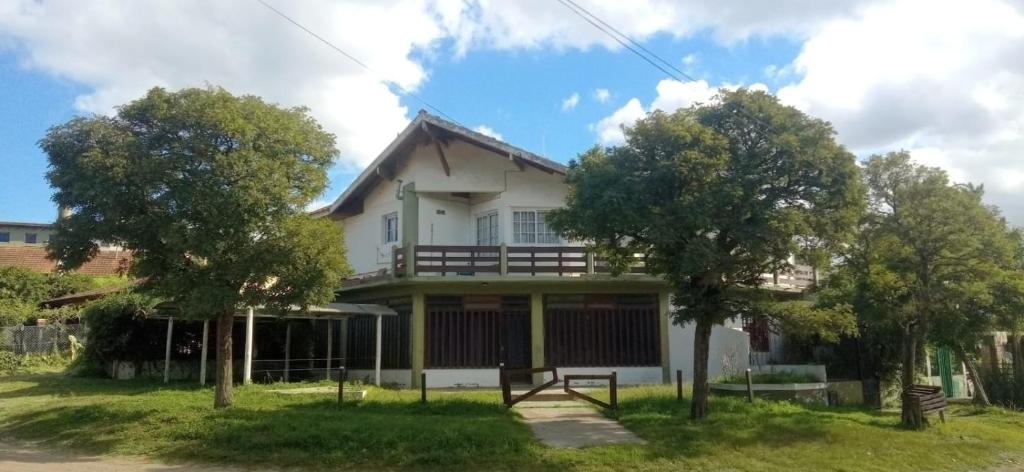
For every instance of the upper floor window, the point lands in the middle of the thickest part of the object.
(5, 237)
(530, 227)
(390, 228)
(487, 229)
(30, 238)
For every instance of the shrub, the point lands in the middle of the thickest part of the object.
(9, 362)
(1003, 387)
(117, 329)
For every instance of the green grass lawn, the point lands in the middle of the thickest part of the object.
(474, 431)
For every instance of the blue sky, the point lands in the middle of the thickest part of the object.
(942, 79)
(518, 94)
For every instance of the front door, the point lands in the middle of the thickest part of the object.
(478, 332)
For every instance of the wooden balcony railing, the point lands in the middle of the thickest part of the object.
(500, 260)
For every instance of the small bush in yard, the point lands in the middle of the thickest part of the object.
(117, 330)
(9, 362)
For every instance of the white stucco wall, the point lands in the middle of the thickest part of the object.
(494, 183)
(364, 236)
(625, 375)
(438, 378)
(400, 377)
(730, 350)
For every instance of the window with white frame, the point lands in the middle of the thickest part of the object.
(487, 229)
(530, 227)
(390, 228)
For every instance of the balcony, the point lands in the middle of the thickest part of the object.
(563, 261)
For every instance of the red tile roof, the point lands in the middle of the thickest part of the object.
(106, 262)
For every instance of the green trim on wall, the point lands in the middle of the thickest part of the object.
(419, 326)
(410, 215)
(537, 334)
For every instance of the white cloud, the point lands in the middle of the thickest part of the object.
(948, 86)
(488, 131)
(602, 95)
(118, 50)
(672, 95)
(942, 78)
(571, 101)
(609, 129)
(690, 59)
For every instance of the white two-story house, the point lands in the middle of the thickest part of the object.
(448, 226)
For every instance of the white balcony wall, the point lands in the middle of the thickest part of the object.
(493, 183)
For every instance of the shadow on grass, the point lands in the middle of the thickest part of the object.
(665, 423)
(317, 433)
(66, 385)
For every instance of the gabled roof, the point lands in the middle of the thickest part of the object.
(105, 262)
(24, 224)
(430, 127)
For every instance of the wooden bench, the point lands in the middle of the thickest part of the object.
(925, 399)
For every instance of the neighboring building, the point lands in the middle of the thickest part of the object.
(20, 234)
(448, 227)
(107, 261)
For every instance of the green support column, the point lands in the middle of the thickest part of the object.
(537, 334)
(665, 313)
(419, 325)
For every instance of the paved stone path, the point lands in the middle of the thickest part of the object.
(574, 426)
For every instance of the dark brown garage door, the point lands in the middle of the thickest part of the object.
(601, 330)
(477, 332)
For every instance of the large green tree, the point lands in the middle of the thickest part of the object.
(935, 262)
(715, 196)
(208, 190)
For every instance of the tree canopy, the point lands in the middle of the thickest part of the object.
(715, 196)
(931, 261)
(208, 190)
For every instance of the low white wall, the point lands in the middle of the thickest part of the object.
(400, 377)
(729, 352)
(626, 375)
(437, 378)
(818, 371)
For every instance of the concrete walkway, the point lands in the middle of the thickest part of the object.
(574, 426)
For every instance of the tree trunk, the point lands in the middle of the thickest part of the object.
(1017, 351)
(701, 349)
(224, 376)
(910, 418)
(980, 395)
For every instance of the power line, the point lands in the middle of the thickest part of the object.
(362, 64)
(616, 38)
(623, 38)
(579, 10)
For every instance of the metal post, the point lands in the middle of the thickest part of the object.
(330, 346)
(679, 385)
(287, 349)
(613, 394)
(590, 262)
(167, 350)
(750, 387)
(376, 361)
(202, 363)
(423, 387)
(341, 384)
(247, 364)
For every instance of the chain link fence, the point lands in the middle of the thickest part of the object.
(40, 339)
